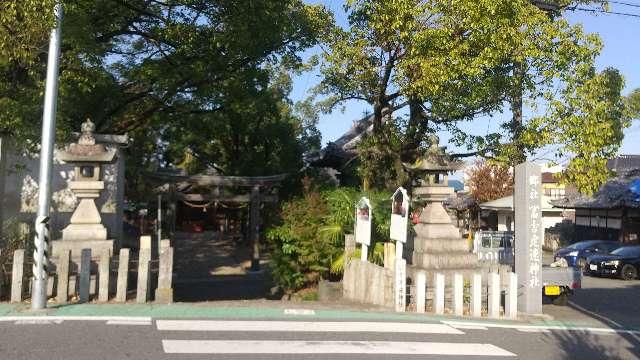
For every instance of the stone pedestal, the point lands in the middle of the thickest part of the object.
(97, 247)
(86, 222)
(437, 244)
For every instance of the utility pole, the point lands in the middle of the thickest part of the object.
(40, 256)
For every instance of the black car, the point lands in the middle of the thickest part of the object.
(623, 262)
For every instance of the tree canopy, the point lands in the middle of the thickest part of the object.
(431, 66)
(197, 83)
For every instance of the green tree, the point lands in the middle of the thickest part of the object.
(588, 120)
(180, 77)
(633, 103)
(443, 64)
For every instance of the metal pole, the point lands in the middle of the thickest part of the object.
(40, 262)
(159, 222)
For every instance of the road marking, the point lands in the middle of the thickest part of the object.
(37, 322)
(533, 330)
(304, 326)
(330, 347)
(74, 318)
(299, 312)
(546, 327)
(470, 327)
(130, 322)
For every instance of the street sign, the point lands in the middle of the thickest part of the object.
(399, 215)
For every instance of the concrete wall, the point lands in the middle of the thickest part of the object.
(20, 194)
(368, 283)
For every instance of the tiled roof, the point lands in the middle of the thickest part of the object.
(615, 193)
(624, 163)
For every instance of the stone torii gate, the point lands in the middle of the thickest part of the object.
(261, 189)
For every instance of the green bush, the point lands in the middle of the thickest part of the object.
(309, 243)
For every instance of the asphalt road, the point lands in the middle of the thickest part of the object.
(607, 302)
(216, 339)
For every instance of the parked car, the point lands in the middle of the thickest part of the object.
(558, 283)
(623, 262)
(577, 254)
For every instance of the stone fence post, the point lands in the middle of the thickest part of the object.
(164, 292)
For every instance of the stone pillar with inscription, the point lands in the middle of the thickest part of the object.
(528, 237)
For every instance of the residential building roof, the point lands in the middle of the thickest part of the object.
(624, 164)
(615, 193)
(506, 203)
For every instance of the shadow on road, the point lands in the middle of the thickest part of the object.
(613, 302)
(585, 345)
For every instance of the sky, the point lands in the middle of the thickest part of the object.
(620, 36)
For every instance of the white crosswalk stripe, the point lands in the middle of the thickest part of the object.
(305, 326)
(329, 347)
(355, 344)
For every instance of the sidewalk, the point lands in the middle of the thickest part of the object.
(283, 310)
(275, 310)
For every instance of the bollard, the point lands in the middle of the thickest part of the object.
(63, 277)
(85, 276)
(17, 275)
(494, 295)
(476, 295)
(123, 275)
(458, 288)
(142, 292)
(103, 273)
(439, 295)
(511, 300)
(164, 292)
(421, 294)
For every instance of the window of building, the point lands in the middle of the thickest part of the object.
(554, 193)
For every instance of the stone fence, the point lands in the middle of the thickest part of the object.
(477, 294)
(99, 277)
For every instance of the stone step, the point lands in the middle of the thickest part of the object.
(440, 245)
(436, 231)
(445, 260)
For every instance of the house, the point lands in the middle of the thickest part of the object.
(612, 213)
(498, 214)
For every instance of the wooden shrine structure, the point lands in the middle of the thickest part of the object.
(211, 191)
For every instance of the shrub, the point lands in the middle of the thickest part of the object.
(309, 242)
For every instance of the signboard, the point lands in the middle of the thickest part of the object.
(364, 216)
(529, 234)
(399, 215)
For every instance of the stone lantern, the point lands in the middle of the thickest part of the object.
(437, 243)
(86, 230)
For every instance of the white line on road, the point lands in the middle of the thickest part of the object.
(37, 322)
(330, 347)
(533, 330)
(545, 327)
(130, 322)
(73, 318)
(470, 327)
(305, 326)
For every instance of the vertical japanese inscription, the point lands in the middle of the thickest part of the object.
(528, 237)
